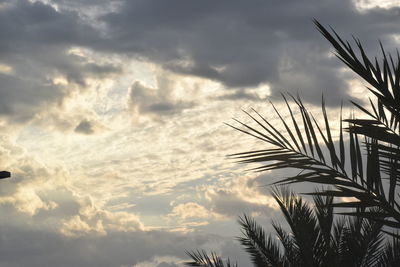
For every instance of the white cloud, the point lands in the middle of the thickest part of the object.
(364, 5)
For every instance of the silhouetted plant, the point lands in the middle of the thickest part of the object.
(372, 181)
(315, 238)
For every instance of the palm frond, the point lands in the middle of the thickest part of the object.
(301, 220)
(201, 258)
(263, 250)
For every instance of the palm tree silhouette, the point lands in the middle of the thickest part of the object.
(315, 238)
(372, 173)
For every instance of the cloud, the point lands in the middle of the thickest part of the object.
(145, 100)
(35, 55)
(260, 43)
(240, 195)
(193, 210)
(29, 246)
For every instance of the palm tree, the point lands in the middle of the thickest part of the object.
(316, 239)
(372, 173)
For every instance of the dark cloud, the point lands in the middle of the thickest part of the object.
(26, 26)
(240, 45)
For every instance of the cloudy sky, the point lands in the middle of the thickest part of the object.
(112, 119)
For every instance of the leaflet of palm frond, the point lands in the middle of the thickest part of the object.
(261, 157)
(263, 250)
(341, 142)
(388, 152)
(328, 140)
(288, 130)
(354, 204)
(347, 192)
(375, 132)
(310, 129)
(318, 178)
(201, 258)
(296, 126)
(356, 161)
(266, 151)
(374, 181)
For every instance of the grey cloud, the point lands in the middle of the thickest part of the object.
(242, 44)
(228, 203)
(155, 101)
(20, 97)
(34, 42)
(39, 24)
(85, 127)
(240, 94)
(32, 247)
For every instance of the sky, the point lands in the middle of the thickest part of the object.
(112, 119)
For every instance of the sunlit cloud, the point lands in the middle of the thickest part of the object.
(365, 5)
